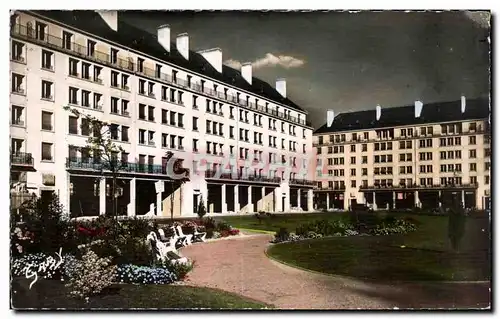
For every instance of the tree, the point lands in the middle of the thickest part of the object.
(178, 174)
(456, 218)
(201, 209)
(103, 150)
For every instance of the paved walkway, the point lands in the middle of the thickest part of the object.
(240, 266)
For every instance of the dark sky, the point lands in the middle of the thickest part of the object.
(345, 61)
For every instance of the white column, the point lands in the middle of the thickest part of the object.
(298, 198)
(463, 198)
(250, 204)
(287, 201)
(327, 201)
(417, 199)
(394, 200)
(310, 200)
(223, 199)
(236, 199)
(131, 206)
(102, 196)
(262, 201)
(277, 199)
(160, 188)
(374, 202)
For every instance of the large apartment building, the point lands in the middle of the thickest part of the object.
(405, 157)
(247, 146)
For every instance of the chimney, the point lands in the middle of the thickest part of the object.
(418, 108)
(183, 45)
(110, 17)
(246, 72)
(281, 87)
(463, 103)
(378, 112)
(214, 57)
(330, 116)
(163, 32)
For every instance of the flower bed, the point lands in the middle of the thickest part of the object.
(144, 275)
(337, 228)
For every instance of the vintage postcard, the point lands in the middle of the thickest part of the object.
(321, 160)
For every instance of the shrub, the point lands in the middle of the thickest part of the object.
(179, 270)
(215, 234)
(323, 227)
(91, 275)
(201, 209)
(209, 223)
(222, 226)
(234, 232)
(313, 235)
(364, 221)
(210, 233)
(282, 235)
(399, 226)
(43, 227)
(144, 275)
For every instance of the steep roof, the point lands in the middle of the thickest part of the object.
(405, 115)
(130, 36)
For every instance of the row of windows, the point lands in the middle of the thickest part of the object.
(454, 128)
(387, 146)
(145, 87)
(340, 185)
(146, 113)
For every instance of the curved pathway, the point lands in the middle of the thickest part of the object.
(239, 265)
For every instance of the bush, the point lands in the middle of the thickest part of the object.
(43, 228)
(209, 223)
(216, 234)
(134, 274)
(399, 226)
(364, 221)
(210, 233)
(222, 226)
(91, 275)
(179, 270)
(201, 209)
(323, 227)
(313, 235)
(282, 235)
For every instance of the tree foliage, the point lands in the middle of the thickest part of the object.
(102, 149)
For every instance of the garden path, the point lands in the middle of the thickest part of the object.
(239, 265)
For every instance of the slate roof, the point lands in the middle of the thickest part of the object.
(405, 115)
(143, 41)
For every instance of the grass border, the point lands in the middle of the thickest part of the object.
(362, 279)
(258, 231)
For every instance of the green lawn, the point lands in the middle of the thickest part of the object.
(276, 221)
(51, 294)
(426, 256)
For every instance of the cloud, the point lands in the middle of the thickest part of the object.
(481, 18)
(270, 60)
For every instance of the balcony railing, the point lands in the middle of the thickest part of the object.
(214, 174)
(301, 181)
(420, 187)
(90, 164)
(333, 188)
(23, 32)
(19, 158)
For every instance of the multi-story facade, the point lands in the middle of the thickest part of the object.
(248, 147)
(403, 157)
